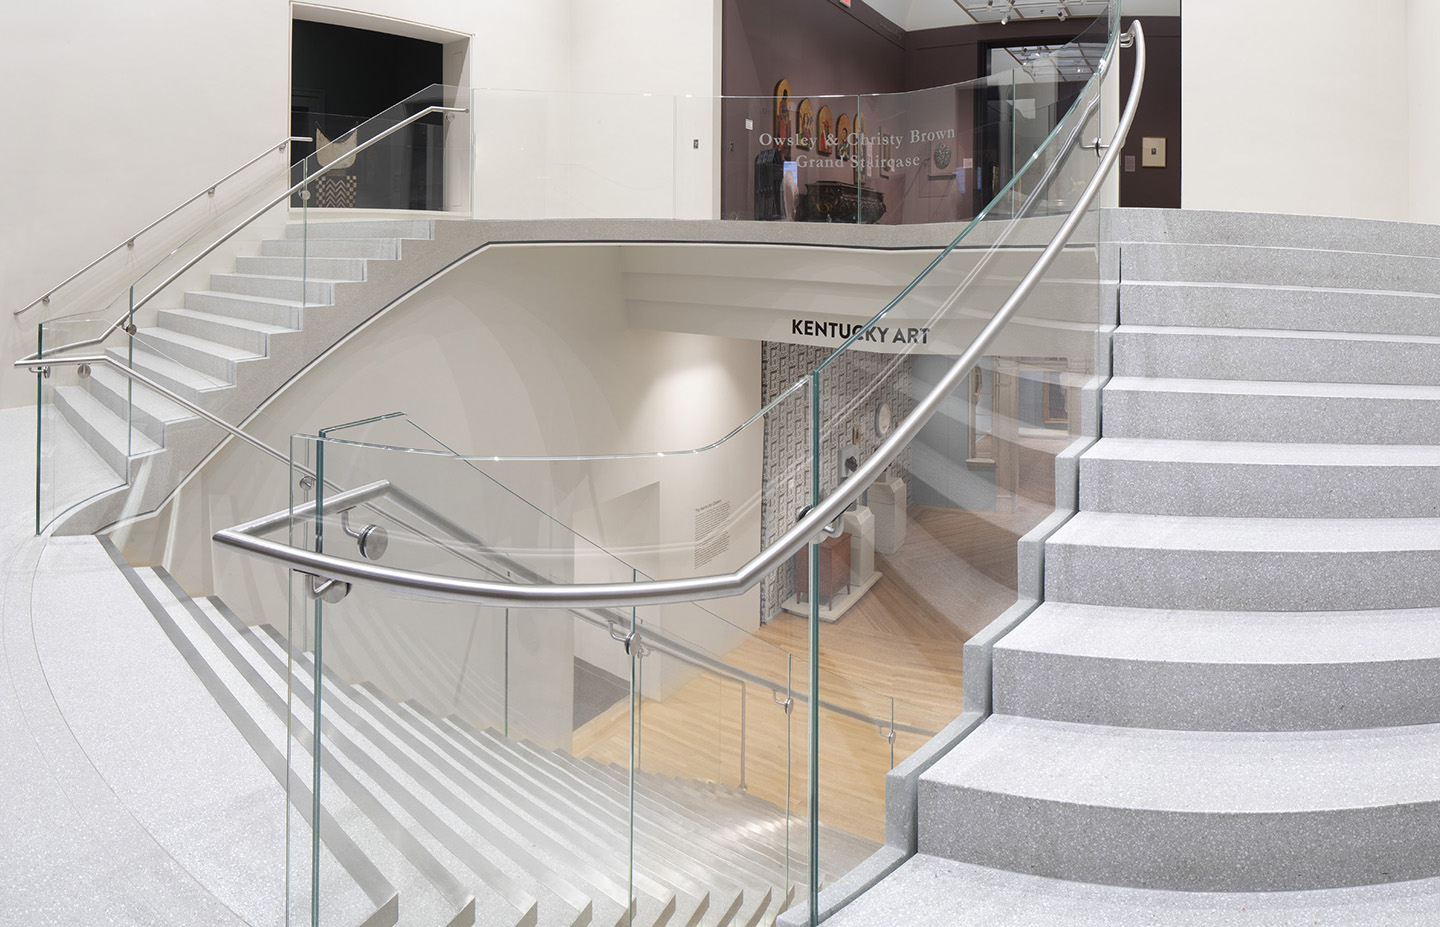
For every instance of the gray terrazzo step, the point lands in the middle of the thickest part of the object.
(1216, 227)
(711, 845)
(1254, 354)
(1279, 267)
(362, 228)
(1189, 811)
(1233, 478)
(312, 291)
(286, 313)
(148, 411)
(244, 334)
(1251, 410)
(1251, 564)
(110, 436)
(1221, 671)
(205, 648)
(476, 860)
(380, 649)
(660, 834)
(928, 891)
(213, 359)
(751, 832)
(369, 249)
(1299, 308)
(185, 381)
(603, 857)
(431, 891)
(604, 822)
(311, 266)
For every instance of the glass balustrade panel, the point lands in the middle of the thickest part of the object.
(941, 551)
(714, 761)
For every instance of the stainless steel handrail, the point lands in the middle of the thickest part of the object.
(659, 592)
(118, 323)
(130, 242)
(368, 494)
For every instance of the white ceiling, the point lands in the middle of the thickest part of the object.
(911, 15)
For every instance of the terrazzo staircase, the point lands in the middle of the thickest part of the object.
(227, 349)
(1227, 710)
(471, 827)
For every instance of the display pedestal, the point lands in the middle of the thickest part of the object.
(858, 544)
(834, 570)
(886, 499)
(860, 525)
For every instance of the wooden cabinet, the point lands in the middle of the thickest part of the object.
(834, 573)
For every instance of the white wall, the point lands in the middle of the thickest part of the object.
(520, 350)
(121, 112)
(1424, 80)
(1303, 106)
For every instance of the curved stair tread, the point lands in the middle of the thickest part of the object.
(1279, 334)
(1273, 388)
(1255, 535)
(937, 892)
(1260, 453)
(1221, 671)
(264, 328)
(162, 337)
(1188, 810)
(1197, 772)
(1175, 635)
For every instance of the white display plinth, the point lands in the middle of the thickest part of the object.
(860, 525)
(886, 500)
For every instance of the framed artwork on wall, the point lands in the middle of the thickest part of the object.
(884, 165)
(942, 158)
(824, 131)
(843, 149)
(782, 114)
(804, 124)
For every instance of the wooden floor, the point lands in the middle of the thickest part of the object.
(902, 641)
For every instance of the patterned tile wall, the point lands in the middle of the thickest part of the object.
(851, 390)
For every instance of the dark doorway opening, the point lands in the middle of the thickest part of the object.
(341, 78)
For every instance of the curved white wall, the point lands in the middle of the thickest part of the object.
(1318, 107)
(118, 112)
(518, 350)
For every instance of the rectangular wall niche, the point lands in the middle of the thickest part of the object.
(786, 467)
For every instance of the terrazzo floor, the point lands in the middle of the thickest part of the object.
(104, 825)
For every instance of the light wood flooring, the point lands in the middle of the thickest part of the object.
(904, 639)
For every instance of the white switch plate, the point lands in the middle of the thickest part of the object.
(749, 124)
(1152, 152)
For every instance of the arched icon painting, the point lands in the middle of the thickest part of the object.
(842, 137)
(824, 132)
(783, 123)
(804, 125)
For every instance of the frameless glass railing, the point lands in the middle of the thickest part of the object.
(586, 680)
(848, 539)
(648, 722)
(939, 154)
(188, 322)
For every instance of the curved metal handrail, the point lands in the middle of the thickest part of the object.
(119, 323)
(659, 592)
(130, 242)
(365, 495)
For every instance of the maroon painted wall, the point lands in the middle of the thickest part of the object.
(822, 48)
(1158, 115)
